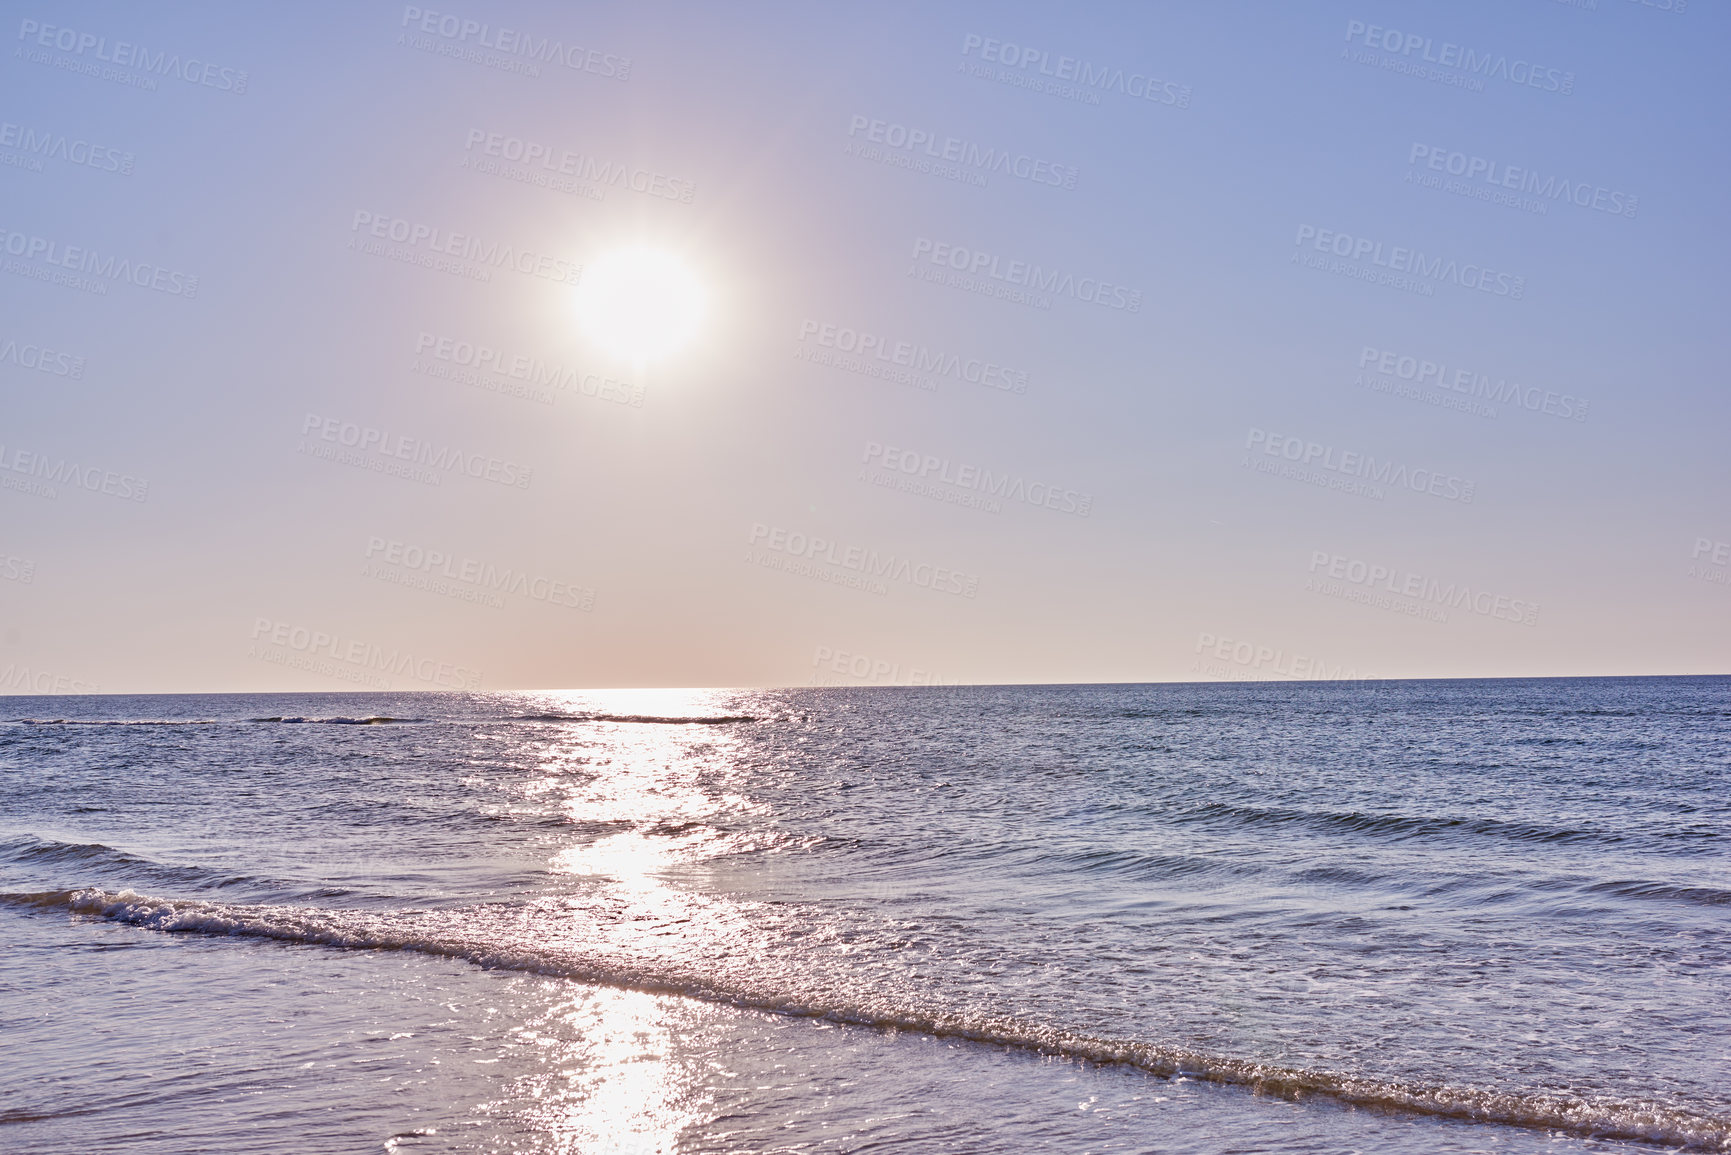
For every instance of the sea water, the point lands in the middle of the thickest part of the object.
(1427, 916)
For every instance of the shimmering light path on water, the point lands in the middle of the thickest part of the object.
(827, 919)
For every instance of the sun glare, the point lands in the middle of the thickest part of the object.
(640, 303)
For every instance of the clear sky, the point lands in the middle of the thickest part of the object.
(1145, 342)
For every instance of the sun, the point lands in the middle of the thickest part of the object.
(640, 303)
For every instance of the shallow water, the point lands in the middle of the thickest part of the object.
(1143, 918)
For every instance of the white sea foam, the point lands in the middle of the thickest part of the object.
(1598, 1116)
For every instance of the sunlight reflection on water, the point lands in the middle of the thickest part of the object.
(621, 1087)
(618, 1086)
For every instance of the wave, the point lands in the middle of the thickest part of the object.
(1137, 864)
(88, 858)
(27, 848)
(386, 719)
(1698, 895)
(50, 862)
(115, 721)
(375, 720)
(1394, 826)
(707, 720)
(1600, 1117)
(26, 1115)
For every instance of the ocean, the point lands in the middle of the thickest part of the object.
(1421, 916)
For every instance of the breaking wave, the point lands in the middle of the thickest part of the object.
(1600, 1117)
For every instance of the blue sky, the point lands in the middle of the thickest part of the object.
(1423, 377)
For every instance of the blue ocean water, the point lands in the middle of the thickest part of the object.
(1403, 916)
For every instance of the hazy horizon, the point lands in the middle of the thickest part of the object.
(1237, 342)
